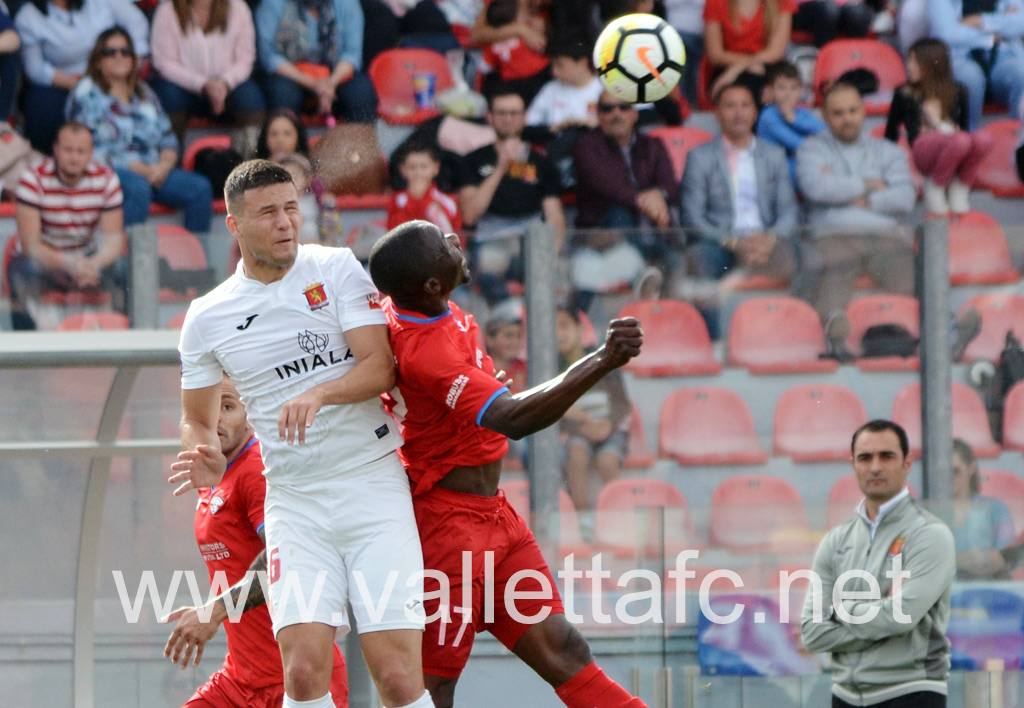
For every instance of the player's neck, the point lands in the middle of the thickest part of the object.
(428, 307)
(263, 272)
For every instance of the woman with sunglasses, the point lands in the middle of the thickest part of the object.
(56, 38)
(132, 134)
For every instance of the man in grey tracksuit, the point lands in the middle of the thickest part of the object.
(887, 648)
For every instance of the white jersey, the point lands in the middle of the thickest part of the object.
(279, 340)
(558, 102)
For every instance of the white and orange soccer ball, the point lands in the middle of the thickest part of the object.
(639, 58)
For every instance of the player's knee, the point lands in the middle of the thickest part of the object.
(305, 678)
(398, 683)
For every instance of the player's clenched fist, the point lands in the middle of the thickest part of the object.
(623, 340)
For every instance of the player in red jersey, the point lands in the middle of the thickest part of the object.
(457, 417)
(229, 531)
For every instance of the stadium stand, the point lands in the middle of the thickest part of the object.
(1000, 313)
(970, 419)
(676, 341)
(997, 173)
(813, 422)
(93, 320)
(517, 491)
(753, 514)
(1009, 489)
(629, 515)
(986, 624)
(638, 452)
(841, 55)
(183, 252)
(978, 252)
(777, 335)
(870, 310)
(391, 72)
(1013, 418)
(678, 141)
(708, 426)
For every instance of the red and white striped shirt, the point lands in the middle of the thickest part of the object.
(69, 212)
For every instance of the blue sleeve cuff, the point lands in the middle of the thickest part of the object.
(260, 527)
(480, 415)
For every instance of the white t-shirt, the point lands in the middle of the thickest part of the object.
(279, 340)
(557, 102)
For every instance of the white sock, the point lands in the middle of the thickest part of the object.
(424, 701)
(324, 701)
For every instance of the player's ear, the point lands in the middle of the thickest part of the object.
(433, 286)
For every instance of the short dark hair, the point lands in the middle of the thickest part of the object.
(417, 148)
(837, 87)
(966, 453)
(734, 85)
(502, 91)
(880, 425)
(72, 126)
(501, 12)
(399, 265)
(252, 174)
(779, 70)
(572, 48)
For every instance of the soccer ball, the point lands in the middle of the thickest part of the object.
(639, 58)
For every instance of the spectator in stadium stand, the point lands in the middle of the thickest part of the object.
(133, 135)
(70, 226)
(784, 122)
(827, 19)
(10, 63)
(856, 188)
(888, 649)
(327, 33)
(687, 17)
(932, 107)
(738, 201)
(741, 37)
(505, 338)
(515, 35)
(229, 533)
(986, 45)
(421, 199)
(982, 526)
(282, 133)
(57, 37)
(506, 187)
(624, 181)
(204, 51)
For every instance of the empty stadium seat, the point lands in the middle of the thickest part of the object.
(1013, 418)
(678, 141)
(708, 426)
(1009, 489)
(639, 516)
(182, 251)
(841, 55)
(570, 540)
(676, 341)
(777, 335)
(997, 173)
(217, 142)
(391, 72)
(970, 419)
(759, 514)
(978, 252)
(638, 452)
(94, 320)
(813, 422)
(870, 310)
(1000, 313)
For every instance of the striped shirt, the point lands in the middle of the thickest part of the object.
(69, 212)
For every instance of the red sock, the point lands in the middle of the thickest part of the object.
(590, 688)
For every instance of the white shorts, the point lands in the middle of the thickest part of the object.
(349, 538)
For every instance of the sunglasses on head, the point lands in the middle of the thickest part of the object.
(114, 51)
(609, 107)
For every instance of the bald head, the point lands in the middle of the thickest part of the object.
(405, 258)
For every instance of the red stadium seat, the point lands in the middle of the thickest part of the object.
(841, 55)
(870, 310)
(997, 173)
(94, 320)
(678, 141)
(844, 497)
(629, 519)
(978, 252)
(391, 72)
(813, 422)
(177, 321)
(1013, 418)
(638, 454)
(1000, 313)
(676, 341)
(217, 142)
(517, 491)
(777, 335)
(759, 514)
(182, 251)
(970, 419)
(708, 426)
(1009, 489)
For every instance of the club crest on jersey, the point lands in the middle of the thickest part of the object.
(316, 296)
(897, 546)
(311, 342)
(216, 503)
(373, 300)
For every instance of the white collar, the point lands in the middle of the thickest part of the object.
(882, 510)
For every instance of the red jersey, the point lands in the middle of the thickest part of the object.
(435, 206)
(747, 34)
(446, 382)
(512, 59)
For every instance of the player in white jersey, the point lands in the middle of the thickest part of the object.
(299, 331)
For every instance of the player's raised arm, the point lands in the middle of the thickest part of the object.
(201, 463)
(373, 374)
(525, 413)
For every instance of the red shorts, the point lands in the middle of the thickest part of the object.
(501, 545)
(225, 690)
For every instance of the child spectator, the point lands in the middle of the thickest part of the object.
(783, 122)
(309, 204)
(421, 199)
(933, 109)
(513, 62)
(597, 424)
(741, 37)
(504, 338)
